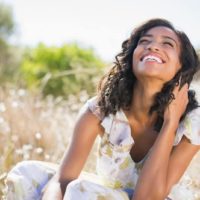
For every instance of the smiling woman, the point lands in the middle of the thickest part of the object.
(158, 54)
(147, 119)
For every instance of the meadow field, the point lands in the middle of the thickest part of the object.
(35, 128)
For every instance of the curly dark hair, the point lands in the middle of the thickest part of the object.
(115, 89)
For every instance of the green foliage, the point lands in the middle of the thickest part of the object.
(61, 70)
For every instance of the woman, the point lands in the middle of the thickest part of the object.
(146, 116)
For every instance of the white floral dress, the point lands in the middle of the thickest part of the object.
(117, 173)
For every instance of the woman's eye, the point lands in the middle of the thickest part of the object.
(169, 44)
(143, 41)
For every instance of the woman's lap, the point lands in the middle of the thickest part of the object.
(84, 190)
(27, 179)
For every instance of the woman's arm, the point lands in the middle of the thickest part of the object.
(165, 165)
(85, 132)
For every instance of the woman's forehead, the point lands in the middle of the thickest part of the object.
(162, 31)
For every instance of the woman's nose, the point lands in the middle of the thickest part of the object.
(153, 46)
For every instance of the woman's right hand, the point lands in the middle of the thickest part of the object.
(52, 191)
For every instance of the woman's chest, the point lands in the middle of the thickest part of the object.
(144, 138)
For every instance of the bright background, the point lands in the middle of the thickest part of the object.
(100, 24)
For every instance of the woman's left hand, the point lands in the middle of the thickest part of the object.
(177, 106)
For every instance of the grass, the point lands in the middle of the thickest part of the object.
(41, 129)
(32, 128)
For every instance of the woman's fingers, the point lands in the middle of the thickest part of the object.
(177, 107)
(179, 89)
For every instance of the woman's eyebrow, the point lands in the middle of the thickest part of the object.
(170, 38)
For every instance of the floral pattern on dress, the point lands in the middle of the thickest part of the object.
(114, 154)
(27, 179)
(190, 128)
(86, 190)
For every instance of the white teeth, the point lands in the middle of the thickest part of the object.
(152, 58)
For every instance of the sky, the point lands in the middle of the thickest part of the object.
(99, 24)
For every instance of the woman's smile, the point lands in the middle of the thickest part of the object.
(152, 57)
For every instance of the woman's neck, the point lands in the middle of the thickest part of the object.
(143, 99)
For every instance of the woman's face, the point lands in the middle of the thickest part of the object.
(157, 54)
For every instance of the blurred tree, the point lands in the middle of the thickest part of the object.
(6, 21)
(8, 53)
(63, 70)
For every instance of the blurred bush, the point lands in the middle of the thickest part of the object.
(63, 70)
(59, 71)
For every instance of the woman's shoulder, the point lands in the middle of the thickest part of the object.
(112, 123)
(190, 127)
(92, 105)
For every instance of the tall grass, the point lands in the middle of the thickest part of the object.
(36, 128)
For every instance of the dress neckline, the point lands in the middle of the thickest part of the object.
(128, 123)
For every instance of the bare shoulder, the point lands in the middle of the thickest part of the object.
(88, 121)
